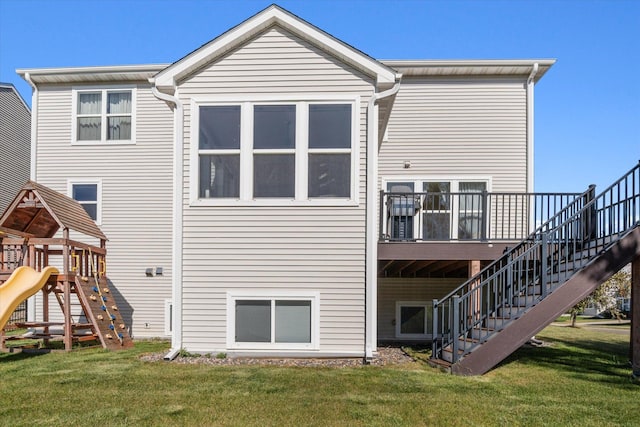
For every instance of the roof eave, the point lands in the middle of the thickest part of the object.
(471, 67)
(88, 74)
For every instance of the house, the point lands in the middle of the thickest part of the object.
(15, 143)
(279, 192)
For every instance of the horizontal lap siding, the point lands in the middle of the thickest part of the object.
(458, 127)
(136, 197)
(391, 290)
(293, 249)
(15, 145)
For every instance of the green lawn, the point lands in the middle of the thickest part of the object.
(582, 378)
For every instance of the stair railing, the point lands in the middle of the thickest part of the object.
(483, 305)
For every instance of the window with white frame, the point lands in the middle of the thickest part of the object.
(435, 208)
(88, 195)
(295, 151)
(103, 115)
(413, 319)
(263, 322)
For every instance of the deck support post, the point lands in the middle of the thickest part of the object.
(635, 318)
(476, 296)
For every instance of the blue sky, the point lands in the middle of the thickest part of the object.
(587, 115)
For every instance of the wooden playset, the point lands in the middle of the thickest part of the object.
(49, 244)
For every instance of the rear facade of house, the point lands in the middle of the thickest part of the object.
(278, 192)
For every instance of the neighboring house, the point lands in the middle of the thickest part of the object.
(277, 191)
(15, 143)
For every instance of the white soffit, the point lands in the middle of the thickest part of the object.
(118, 73)
(271, 16)
(461, 68)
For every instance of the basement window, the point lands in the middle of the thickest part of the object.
(272, 322)
(413, 319)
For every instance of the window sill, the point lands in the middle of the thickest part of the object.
(273, 203)
(102, 142)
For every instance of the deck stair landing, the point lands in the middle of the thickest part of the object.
(491, 315)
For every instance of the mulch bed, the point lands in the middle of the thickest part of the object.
(386, 356)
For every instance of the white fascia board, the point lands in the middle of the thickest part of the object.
(102, 74)
(273, 15)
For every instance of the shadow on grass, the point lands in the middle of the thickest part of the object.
(577, 357)
(21, 355)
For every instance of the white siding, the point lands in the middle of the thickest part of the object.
(391, 290)
(275, 248)
(459, 127)
(15, 145)
(136, 197)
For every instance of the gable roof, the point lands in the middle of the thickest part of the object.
(9, 87)
(269, 17)
(40, 211)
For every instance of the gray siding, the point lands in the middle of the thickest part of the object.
(275, 248)
(136, 197)
(459, 127)
(15, 145)
(392, 290)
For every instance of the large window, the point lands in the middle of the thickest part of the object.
(275, 152)
(219, 148)
(272, 322)
(274, 148)
(88, 195)
(103, 115)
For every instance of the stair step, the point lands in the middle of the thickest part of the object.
(510, 312)
(481, 333)
(525, 300)
(496, 323)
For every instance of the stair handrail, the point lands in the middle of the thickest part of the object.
(509, 251)
(538, 238)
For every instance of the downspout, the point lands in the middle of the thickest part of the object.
(530, 84)
(31, 302)
(176, 259)
(34, 127)
(371, 260)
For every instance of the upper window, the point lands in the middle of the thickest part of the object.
(88, 195)
(103, 115)
(293, 151)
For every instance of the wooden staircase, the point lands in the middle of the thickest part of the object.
(491, 315)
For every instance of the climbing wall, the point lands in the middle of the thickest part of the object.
(102, 310)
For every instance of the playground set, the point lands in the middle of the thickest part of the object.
(38, 254)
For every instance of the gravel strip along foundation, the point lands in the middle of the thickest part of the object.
(386, 356)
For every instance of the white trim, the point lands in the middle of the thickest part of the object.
(530, 153)
(246, 151)
(427, 307)
(35, 98)
(279, 295)
(177, 223)
(168, 316)
(273, 15)
(88, 181)
(104, 90)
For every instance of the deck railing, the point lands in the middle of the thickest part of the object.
(37, 253)
(470, 314)
(481, 216)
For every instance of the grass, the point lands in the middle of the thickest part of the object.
(581, 378)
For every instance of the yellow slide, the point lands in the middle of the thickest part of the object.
(24, 282)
